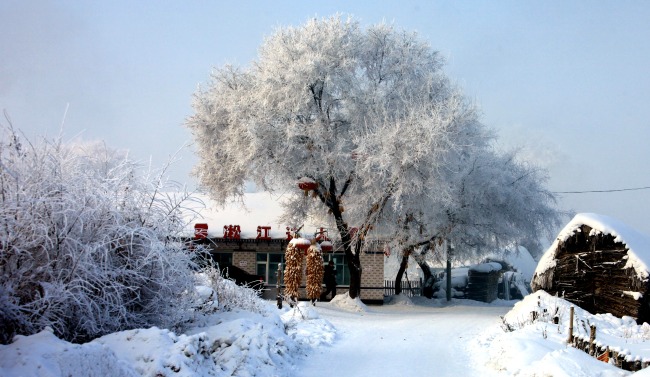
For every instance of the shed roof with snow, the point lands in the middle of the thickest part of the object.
(601, 265)
(637, 244)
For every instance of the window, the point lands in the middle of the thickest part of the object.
(341, 265)
(208, 258)
(224, 259)
(267, 266)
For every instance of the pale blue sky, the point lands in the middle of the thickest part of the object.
(567, 80)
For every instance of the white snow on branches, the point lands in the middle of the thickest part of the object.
(87, 244)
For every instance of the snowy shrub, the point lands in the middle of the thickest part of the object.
(229, 295)
(87, 245)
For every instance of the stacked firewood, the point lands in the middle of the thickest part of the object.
(314, 272)
(292, 271)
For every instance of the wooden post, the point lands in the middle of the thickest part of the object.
(448, 274)
(592, 340)
(449, 250)
(278, 286)
(570, 339)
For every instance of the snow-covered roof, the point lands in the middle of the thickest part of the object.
(259, 209)
(638, 244)
(486, 267)
(519, 258)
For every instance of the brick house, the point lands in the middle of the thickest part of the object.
(253, 241)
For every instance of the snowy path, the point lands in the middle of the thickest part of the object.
(398, 340)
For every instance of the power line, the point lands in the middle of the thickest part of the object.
(595, 191)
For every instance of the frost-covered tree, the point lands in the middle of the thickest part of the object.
(366, 113)
(87, 243)
(493, 201)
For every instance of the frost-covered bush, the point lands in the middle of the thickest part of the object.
(229, 295)
(87, 243)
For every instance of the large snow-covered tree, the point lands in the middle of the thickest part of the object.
(366, 113)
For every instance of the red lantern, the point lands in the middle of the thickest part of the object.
(326, 246)
(301, 244)
(306, 185)
(321, 235)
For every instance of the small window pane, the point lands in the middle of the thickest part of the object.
(261, 269)
(276, 258)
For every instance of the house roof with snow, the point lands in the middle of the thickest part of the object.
(257, 209)
(637, 244)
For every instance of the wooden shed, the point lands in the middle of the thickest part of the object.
(483, 281)
(599, 264)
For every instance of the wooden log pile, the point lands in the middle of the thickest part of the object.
(314, 272)
(590, 272)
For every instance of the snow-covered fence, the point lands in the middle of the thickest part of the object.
(409, 287)
(614, 355)
(619, 341)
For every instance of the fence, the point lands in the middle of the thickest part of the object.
(409, 287)
(622, 359)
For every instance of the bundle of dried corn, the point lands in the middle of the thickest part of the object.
(314, 272)
(292, 271)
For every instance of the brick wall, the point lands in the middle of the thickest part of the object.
(244, 252)
(245, 257)
(246, 260)
(372, 276)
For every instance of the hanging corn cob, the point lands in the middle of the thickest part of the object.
(293, 269)
(314, 272)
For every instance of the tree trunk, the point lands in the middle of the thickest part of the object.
(354, 262)
(354, 265)
(428, 281)
(400, 273)
(448, 276)
(448, 271)
(333, 202)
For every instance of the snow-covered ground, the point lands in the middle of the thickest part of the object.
(405, 337)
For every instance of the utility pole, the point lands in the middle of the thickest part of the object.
(448, 274)
(278, 286)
